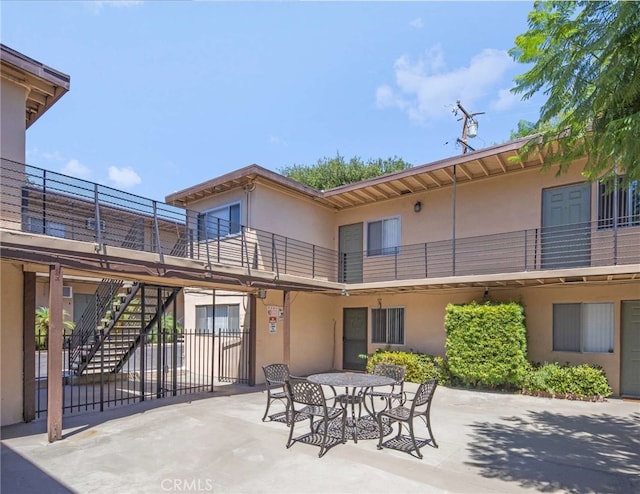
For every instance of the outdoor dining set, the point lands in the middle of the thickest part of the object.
(339, 406)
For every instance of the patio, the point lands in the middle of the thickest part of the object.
(488, 443)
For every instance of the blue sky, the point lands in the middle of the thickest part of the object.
(165, 95)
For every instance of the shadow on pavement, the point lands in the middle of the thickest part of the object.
(549, 452)
(25, 476)
(75, 423)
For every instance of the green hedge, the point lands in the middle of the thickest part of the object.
(564, 381)
(487, 344)
(420, 367)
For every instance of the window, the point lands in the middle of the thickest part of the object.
(219, 222)
(225, 319)
(387, 325)
(37, 225)
(383, 237)
(583, 327)
(91, 224)
(628, 210)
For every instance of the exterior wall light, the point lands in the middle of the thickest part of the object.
(417, 207)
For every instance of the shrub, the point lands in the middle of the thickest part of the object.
(420, 367)
(583, 381)
(486, 344)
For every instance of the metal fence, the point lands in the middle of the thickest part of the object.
(194, 362)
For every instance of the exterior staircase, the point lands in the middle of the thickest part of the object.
(124, 316)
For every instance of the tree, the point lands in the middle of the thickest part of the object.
(525, 129)
(586, 60)
(328, 173)
(42, 326)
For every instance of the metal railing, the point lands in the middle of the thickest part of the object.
(44, 202)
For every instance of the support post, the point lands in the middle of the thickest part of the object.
(286, 333)
(29, 347)
(212, 374)
(253, 337)
(54, 355)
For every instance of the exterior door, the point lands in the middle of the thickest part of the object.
(566, 234)
(80, 302)
(354, 339)
(630, 372)
(350, 248)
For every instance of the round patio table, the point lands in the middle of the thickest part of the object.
(355, 386)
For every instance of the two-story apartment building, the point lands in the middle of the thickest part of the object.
(326, 275)
(475, 226)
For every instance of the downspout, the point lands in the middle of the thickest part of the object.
(250, 187)
(453, 237)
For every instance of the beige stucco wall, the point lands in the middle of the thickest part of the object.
(494, 205)
(12, 126)
(316, 324)
(539, 319)
(11, 373)
(12, 147)
(312, 335)
(292, 216)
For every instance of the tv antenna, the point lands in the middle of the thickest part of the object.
(469, 125)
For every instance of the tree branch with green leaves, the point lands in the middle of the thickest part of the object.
(585, 58)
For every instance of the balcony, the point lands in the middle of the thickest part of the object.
(42, 202)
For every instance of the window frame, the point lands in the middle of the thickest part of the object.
(628, 198)
(388, 330)
(233, 228)
(383, 250)
(583, 326)
(46, 227)
(211, 314)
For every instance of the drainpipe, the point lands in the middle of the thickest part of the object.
(616, 213)
(453, 236)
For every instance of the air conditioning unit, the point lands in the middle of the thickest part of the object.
(91, 224)
(67, 292)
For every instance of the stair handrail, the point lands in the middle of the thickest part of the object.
(86, 326)
(154, 320)
(106, 331)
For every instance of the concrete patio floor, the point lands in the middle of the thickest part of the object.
(489, 443)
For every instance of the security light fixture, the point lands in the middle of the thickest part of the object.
(417, 207)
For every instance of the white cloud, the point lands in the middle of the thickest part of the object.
(76, 169)
(277, 141)
(124, 177)
(505, 100)
(97, 5)
(417, 23)
(53, 156)
(424, 88)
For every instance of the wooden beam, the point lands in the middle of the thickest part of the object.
(501, 163)
(29, 347)
(465, 171)
(483, 166)
(54, 355)
(253, 339)
(286, 336)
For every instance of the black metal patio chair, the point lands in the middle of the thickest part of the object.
(420, 407)
(275, 377)
(307, 400)
(392, 393)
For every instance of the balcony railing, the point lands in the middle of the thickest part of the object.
(44, 202)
